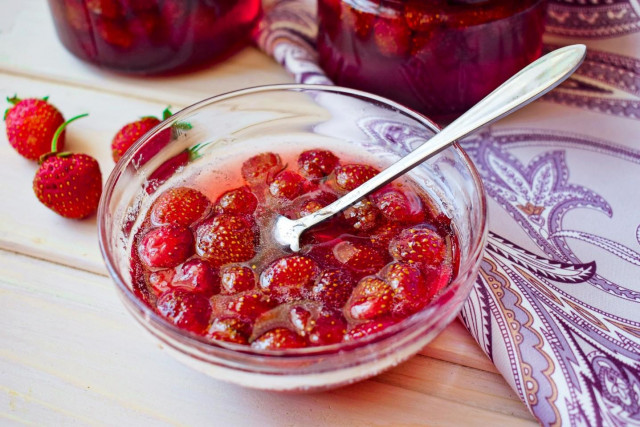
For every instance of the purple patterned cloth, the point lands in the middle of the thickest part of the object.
(557, 303)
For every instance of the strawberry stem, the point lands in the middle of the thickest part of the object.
(56, 136)
(166, 113)
(194, 152)
(14, 99)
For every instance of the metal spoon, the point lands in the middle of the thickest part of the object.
(526, 86)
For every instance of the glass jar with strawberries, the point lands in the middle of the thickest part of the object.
(153, 36)
(439, 57)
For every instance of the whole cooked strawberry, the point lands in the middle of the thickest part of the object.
(131, 132)
(31, 124)
(69, 184)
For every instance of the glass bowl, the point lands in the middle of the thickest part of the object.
(439, 57)
(153, 36)
(256, 120)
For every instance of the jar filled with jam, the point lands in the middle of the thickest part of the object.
(438, 57)
(153, 36)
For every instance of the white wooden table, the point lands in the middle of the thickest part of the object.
(71, 355)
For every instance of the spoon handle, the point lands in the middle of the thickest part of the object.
(524, 87)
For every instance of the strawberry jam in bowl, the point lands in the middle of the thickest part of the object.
(153, 36)
(439, 57)
(186, 231)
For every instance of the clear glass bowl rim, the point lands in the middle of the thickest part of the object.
(231, 349)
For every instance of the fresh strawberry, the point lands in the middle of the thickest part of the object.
(361, 216)
(316, 164)
(289, 278)
(31, 124)
(229, 330)
(225, 239)
(366, 329)
(371, 298)
(419, 244)
(246, 306)
(69, 184)
(236, 278)
(333, 288)
(410, 290)
(237, 201)
(185, 309)
(287, 185)
(260, 168)
(360, 257)
(195, 275)
(166, 246)
(180, 205)
(399, 206)
(131, 132)
(348, 177)
(278, 339)
(392, 36)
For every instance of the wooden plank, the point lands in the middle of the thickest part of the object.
(27, 24)
(73, 355)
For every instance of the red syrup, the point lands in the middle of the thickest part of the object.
(205, 260)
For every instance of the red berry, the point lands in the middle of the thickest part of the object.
(316, 164)
(399, 206)
(365, 329)
(287, 185)
(289, 278)
(163, 172)
(392, 37)
(437, 278)
(333, 288)
(229, 330)
(419, 244)
(31, 124)
(278, 339)
(129, 134)
(166, 246)
(258, 169)
(184, 309)
(410, 291)
(181, 206)
(195, 275)
(371, 298)
(225, 239)
(237, 201)
(382, 236)
(349, 177)
(361, 216)
(69, 184)
(360, 257)
(246, 306)
(327, 328)
(114, 32)
(236, 278)
(311, 202)
(360, 21)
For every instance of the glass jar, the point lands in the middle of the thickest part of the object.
(439, 57)
(153, 36)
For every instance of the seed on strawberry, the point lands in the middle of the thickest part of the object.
(327, 328)
(31, 124)
(333, 288)
(289, 278)
(359, 21)
(399, 206)
(287, 185)
(260, 168)
(69, 184)
(410, 291)
(316, 164)
(195, 275)
(229, 330)
(348, 177)
(246, 306)
(129, 134)
(236, 278)
(237, 201)
(180, 205)
(381, 236)
(360, 257)
(361, 216)
(371, 298)
(362, 330)
(226, 239)
(185, 309)
(278, 339)
(166, 246)
(419, 244)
